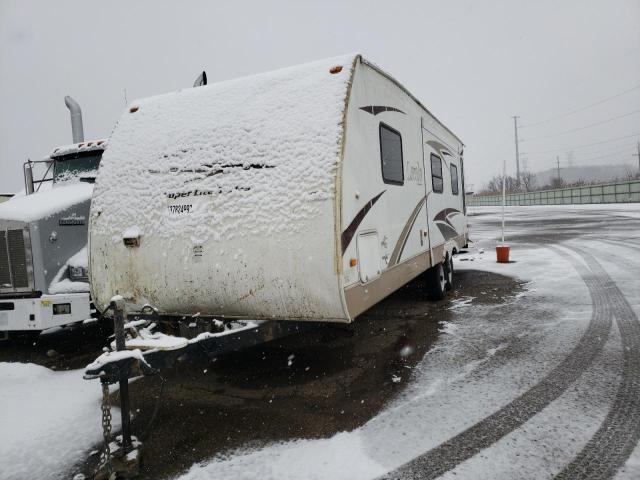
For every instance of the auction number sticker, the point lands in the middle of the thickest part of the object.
(180, 208)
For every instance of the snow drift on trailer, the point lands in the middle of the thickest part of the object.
(221, 199)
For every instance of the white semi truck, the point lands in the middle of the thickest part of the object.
(43, 238)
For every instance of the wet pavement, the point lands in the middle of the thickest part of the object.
(60, 348)
(313, 386)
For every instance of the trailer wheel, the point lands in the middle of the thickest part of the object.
(436, 282)
(448, 270)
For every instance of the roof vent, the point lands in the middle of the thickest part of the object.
(201, 80)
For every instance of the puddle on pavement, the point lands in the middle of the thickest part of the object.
(66, 348)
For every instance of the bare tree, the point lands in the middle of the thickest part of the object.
(629, 173)
(494, 186)
(557, 182)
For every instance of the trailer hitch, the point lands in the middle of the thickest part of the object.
(121, 458)
(111, 373)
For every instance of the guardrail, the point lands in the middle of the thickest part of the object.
(622, 192)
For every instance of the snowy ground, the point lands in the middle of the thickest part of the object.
(47, 420)
(532, 385)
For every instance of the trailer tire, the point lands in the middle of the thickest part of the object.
(448, 271)
(436, 282)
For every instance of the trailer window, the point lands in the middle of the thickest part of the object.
(436, 173)
(391, 155)
(454, 179)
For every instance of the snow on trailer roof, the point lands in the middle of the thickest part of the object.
(268, 143)
(79, 148)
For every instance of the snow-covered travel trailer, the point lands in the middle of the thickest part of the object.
(307, 193)
(43, 240)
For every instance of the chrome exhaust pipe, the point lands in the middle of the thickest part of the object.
(76, 119)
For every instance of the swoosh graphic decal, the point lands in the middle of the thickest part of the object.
(350, 231)
(376, 109)
(447, 231)
(443, 222)
(404, 235)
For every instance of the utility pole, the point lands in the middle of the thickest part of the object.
(558, 162)
(515, 127)
(637, 155)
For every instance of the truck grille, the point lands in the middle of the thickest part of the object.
(14, 272)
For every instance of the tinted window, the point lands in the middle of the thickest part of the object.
(391, 155)
(66, 168)
(436, 173)
(454, 179)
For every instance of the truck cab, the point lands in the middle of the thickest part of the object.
(43, 242)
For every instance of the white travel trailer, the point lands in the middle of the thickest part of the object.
(307, 193)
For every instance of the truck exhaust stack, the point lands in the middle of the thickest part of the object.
(76, 119)
(28, 178)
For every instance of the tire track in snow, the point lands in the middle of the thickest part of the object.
(619, 433)
(620, 243)
(485, 433)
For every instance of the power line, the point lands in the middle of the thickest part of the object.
(600, 152)
(582, 108)
(582, 160)
(581, 128)
(585, 145)
(619, 155)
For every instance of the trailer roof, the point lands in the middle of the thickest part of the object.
(268, 144)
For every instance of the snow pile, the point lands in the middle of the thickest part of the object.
(230, 328)
(48, 421)
(267, 145)
(132, 232)
(461, 303)
(98, 145)
(144, 338)
(45, 203)
(110, 357)
(80, 259)
(345, 458)
(62, 284)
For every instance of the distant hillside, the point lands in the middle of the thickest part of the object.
(595, 173)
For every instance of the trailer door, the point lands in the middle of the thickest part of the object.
(425, 233)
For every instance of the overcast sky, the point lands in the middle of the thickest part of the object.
(473, 64)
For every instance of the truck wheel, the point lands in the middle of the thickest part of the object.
(436, 282)
(448, 271)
